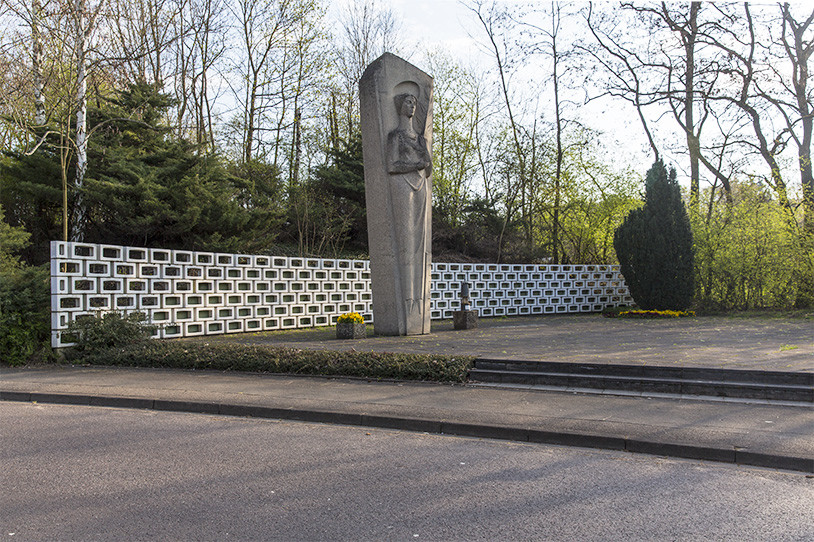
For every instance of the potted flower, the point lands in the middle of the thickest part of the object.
(350, 326)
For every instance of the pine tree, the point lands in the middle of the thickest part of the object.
(341, 186)
(654, 245)
(145, 187)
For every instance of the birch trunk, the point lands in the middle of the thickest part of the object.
(36, 64)
(81, 138)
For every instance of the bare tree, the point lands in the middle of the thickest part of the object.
(547, 41)
(36, 63)
(198, 49)
(797, 39)
(524, 160)
(263, 25)
(142, 31)
(367, 30)
(460, 108)
(665, 68)
(736, 36)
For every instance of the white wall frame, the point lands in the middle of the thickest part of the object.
(206, 293)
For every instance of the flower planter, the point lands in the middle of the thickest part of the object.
(349, 330)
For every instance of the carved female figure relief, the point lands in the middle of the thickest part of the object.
(410, 166)
(407, 149)
(395, 101)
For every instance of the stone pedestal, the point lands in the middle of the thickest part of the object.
(350, 330)
(396, 120)
(465, 319)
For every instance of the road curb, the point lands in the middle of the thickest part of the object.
(519, 434)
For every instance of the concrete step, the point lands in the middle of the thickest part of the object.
(764, 385)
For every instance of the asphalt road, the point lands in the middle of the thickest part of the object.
(85, 473)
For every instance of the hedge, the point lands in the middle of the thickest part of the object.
(273, 359)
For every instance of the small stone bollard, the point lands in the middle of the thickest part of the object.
(465, 318)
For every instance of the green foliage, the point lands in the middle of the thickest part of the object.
(256, 358)
(456, 114)
(477, 236)
(24, 313)
(654, 245)
(12, 240)
(109, 330)
(31, 194)
(595, 205)
(24, 300)
(145, 187)
(337, 192)
(752, 254)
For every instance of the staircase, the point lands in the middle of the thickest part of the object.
(783, 386)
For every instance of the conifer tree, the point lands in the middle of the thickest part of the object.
(145, 187)
(654, 245)
(343, 183)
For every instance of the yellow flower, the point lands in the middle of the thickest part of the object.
(655, 314)
(351, 317)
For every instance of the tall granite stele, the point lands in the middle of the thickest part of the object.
(396, 107)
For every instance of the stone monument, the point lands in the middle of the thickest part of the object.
(465, 317)
(396, 110)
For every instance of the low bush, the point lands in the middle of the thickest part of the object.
(108, 330)
(259, 358)
(752, 253)
(24, 301)
(613, 312)
(24, 314)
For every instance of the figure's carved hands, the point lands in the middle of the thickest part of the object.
(401, 166)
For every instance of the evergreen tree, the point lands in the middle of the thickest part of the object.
(31, 195)
(340, 186)
(654, 245)
(145, 187)
(24, 293)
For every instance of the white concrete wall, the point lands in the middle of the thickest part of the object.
(206, 293)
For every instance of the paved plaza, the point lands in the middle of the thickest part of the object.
(770, 344)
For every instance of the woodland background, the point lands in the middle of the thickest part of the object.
(233, 125)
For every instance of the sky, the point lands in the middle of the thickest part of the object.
(451, 26)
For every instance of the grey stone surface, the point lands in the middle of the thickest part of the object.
(762, 344)
(465, 319)
(766, 431)
(396, 117)
(350, 330)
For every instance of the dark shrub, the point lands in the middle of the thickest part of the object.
(654, 245)
(24, 313)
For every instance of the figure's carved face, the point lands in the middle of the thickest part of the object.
(408, 106)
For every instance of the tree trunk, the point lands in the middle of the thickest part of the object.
(555, 233)
(251, 109)
(333, 123)
(297, 148)
(693, 143)
(81, 137)
(799, 53)
(36, 64)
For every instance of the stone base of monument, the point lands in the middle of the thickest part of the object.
(465, 319)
